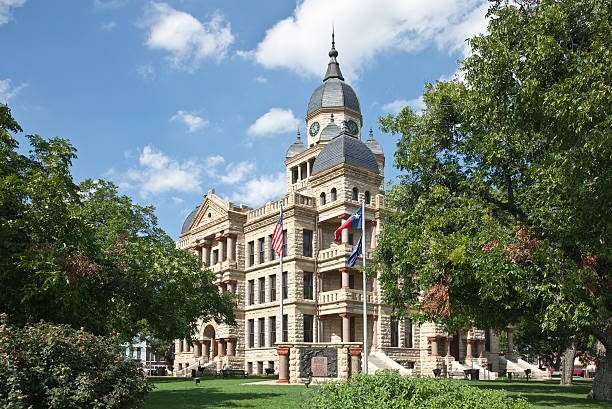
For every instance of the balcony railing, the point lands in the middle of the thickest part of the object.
(273, 207)
(344, 295)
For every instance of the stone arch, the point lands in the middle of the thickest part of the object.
(208, 334)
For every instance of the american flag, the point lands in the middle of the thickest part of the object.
(277, 236)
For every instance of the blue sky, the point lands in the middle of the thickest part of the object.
(169, 99)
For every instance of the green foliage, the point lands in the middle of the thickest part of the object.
(388, 389)
(84, 255)
(47, 366)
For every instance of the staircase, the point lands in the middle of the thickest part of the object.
(378, 361)
(536, 372)
(208, 368)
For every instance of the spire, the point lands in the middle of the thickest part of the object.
(371, 138)
(333, 68)
(298, 134)
(332, 118)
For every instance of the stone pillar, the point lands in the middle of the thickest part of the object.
(283, 365)
(510, 333)
(206, 348)
(481, 348)
(300, 172)
(220, 286)
(346, 326)
(197, 349)
(355, 365)
(469, 343)
(230, 245)
(205, 253)
(221, 241)
(345, 277)
(449, 339)
(373, 236)
(434, 345)
(374, 331)
(220, 348)
(231, 286)
(307, 168)
(230, 346)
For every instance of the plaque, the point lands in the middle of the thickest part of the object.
(318, 366)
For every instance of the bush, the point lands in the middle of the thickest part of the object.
(390, 390)
(55, 366)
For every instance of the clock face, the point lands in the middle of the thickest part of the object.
(314, 128)
(352, 127)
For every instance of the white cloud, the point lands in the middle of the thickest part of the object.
(261, 80)
(275, 121)
(258, 191)
(5, 9)
(8, 91)
(146, 72)
(108, 26)
(236, 173)
(190, 119)
(186, 39)
(177, 200)
(156, 174)
(364, 29)
(108, 4)
(396, 106)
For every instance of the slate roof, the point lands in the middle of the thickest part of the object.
(295, 148)
(189, 219)
(333, 92)
(345, 148)
(374, 145)
(330, 131)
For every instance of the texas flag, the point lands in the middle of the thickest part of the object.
(354, 222)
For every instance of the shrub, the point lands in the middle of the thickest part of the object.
(390, 390)
(55, 366)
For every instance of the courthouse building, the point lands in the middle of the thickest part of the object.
(329, 173)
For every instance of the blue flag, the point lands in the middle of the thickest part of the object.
(355, 253)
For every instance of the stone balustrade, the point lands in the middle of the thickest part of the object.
(274, 206)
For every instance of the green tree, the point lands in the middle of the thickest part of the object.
(503, 209)
(86, 256)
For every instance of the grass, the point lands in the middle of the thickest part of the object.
(230, 393)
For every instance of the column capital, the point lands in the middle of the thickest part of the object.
(346, 269)
(230, 235)
(434, 338)
(345, 314)
(373, 222)
(355, 351)
(229, 281)
(228, 339)
(282, 351)
(205, 341)
(509, 329)
(205, 243)
(471, 341)
(220, 237)
(344, 216)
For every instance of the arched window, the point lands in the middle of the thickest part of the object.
(322, 198)
(355, 194)
(334, 195)
(366, 197)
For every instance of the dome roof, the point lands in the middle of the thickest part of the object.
(330, 131)
(296, 147)
(189, 219)
(333, 92)
(374, 145)
(345, 148)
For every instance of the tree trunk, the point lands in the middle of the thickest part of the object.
(602, 385)
(567, 364)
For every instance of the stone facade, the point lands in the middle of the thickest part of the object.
(322, 295)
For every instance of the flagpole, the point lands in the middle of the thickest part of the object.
(365, 295)
(281, 277)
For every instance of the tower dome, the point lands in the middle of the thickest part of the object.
(189, 219)
(330, 131)
(333, 92)
(374, 145)
(345, 148)
(296, 147)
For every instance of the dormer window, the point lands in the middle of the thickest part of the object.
(334, 195)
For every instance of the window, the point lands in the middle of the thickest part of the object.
(273, 287)
(261, 250)
(270, 364)
(285, 328)
(262, 290)
(487, 345)
(250, 368)
(181, 346)
(308, 325)
(285, 287)
(307, 243)
(272, 252)
(215, 256)
(251, 292)
(251, 334)
(272, 329)
(251, 253)
(408, 341)
(180, 367)
(394, 333)
(322, 198)
(366, 197)
(262, 332)
(334, 195)
(308, 285)
(355, 195)
(260, 368)
(352, 281)
(284, 243)
(352, 329)
(138, 353)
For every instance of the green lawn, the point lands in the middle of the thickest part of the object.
(230, 393)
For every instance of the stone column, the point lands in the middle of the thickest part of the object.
(220, 286)
(300, 172)
(355, 365)
(220, 349)
(307, 168)
(346, 326)
(283, 365)
(206, 347)
(205, 253)
(230, 346)
(434, 345)
(231, 286)
(373, 236)
(374, 331)
(469, 343)
(221, 241)
(197, 349)
(449, 339)
(345, 277)
(510, 333)
(230, 245)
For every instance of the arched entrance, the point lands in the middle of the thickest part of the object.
(208, 336)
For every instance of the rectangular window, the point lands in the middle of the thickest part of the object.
(285, 286)
(307, 243)
(284, 243)
(251, 335)
(394, 333)
(308, 326)
(270, 364)
(262, 332)
(215, 256)
(285, 328)
(260, 368)
(408, 332)
(272, 252)
(487, 340)
(272, 328)
(262, 290)
(251, 292)
(250, 368)
(251, 253)
(273, 287)
(308, 285)
(138, 352)
(352, 281)
(262, 246)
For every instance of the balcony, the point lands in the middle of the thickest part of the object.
(224, 266)
(345, 300)
(337, 257)
(274, 207)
